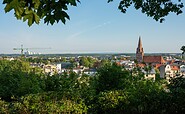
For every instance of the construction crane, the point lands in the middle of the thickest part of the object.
(22, 49)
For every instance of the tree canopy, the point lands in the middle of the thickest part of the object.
(112, 90)
(53, 11)
(183, 50)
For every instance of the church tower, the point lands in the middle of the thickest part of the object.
(139, 52)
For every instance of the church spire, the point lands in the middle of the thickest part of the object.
(139, 51)
(140, 43)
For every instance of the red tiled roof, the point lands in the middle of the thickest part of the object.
(153, 59)
(141, 65)
(118, 63)
(157, 66)
(174, 67)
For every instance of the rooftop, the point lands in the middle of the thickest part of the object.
(154, 59)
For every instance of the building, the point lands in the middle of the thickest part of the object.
(182, 70)
(139, 52)
(78, 70)
(147, 59)
(50, 69)
(151, 74)
(175, 69)
(90, 72)
(153, 60)
(166, 72)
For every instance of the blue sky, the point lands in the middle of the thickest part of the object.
(95, 26)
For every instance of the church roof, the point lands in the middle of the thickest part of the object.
(153, 59)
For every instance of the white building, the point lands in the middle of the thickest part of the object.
(78, 70)
(129, 65)
(182, 69)
(90, 72)
(150, 74)
(166, 71)
(50, 69)
(59, 68)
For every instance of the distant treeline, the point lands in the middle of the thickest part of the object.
(90, 54)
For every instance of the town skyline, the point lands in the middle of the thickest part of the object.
(100, 30)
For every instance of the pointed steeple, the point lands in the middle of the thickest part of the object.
(140, 43)
(139, 51)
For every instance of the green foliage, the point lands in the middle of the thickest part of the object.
(177, 83)
(157, 9)
(53, 11)
(4, 107)
(85, 89)
(62, 82)
(112, 90)
(44, 103)
(33, 10)
(183, 50)
(87, 61)
(141, 96)
(144, 96)
(120, 92)
(24, 9)
(72, 85)
(110, 77)
(17, 79)
(104, 62)
(157, 75)
(177, 91)
(110, 101)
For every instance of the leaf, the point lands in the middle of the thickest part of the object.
(36, 3)
(8, 8)
(10, 5)
(63, 20)
(52, 20)
(30, 20)
(36, 18)
(72, 2)
(25, 18)
(110, 1)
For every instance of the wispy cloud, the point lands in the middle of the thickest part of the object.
(77, 34)
(100, 25)
(88, 30)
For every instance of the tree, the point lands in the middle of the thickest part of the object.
(157, 9)
(84, 61)
(53, 11)
(119, 92)
(18, 79)
(104, 62)
(183, 50)
(177, 91)
(87, 61)
(111, 77)
(44, 103)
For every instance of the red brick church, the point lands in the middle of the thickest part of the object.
(147, 59)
